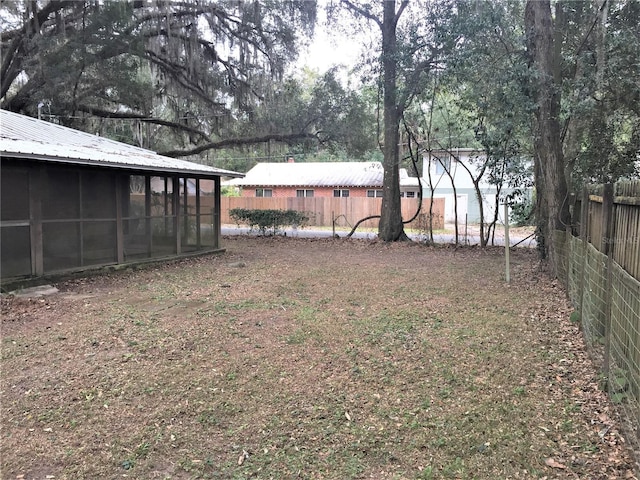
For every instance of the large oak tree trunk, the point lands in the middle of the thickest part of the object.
(391, 227)
(551, 186)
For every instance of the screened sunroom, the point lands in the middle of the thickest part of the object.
(71, 200)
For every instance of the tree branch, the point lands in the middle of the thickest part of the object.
(403, 5)
(365, 13)
(14, 53)
(37, 19)
(232, 142)
(414, 78)
(98, 112)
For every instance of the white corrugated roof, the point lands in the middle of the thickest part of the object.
(319, 174)
(314, 174)
(407, 181)
(27, 137)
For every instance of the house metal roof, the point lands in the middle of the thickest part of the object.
(318, 174)
(30, 138)
(314, 174)
(407, 181)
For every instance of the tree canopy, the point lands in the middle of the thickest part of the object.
(558, 83)
(198, 71)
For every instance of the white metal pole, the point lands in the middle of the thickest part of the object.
(506, 242)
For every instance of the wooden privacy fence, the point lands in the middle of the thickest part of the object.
(347, 211)
(600, 265)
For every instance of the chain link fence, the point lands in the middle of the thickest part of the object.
(616, 303)
(606, 294)
(624, 344)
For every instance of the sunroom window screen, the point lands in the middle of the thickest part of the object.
(15, 244)
(15, 184)
(61, 195)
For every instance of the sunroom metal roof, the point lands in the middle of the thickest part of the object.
(30, 138)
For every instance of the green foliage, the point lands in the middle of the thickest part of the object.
(230, 191)
(523, 211)
(618, 381)
(575, 317)
(343, 120)
(265, 220)
(618, 385)
(601, 90)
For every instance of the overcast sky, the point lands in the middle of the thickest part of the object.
(333, 45)
(331, 48)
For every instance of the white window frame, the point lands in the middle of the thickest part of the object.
(443, 164)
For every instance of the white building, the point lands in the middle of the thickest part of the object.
(444, 170)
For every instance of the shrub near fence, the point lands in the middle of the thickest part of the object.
(322, 211)
(601, 270)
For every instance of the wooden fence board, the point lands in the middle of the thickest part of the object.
(626, 239)
(596, 224)
(323, 210)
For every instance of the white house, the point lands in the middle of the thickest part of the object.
(444, 170)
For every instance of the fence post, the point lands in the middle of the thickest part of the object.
(568, 245)
(606, 247)
(333, 224)
(584, 238)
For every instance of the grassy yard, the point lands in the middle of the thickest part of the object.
(312, 359)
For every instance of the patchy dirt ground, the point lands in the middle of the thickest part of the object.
(313, 359)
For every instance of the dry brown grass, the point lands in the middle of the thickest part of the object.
(308, 359)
